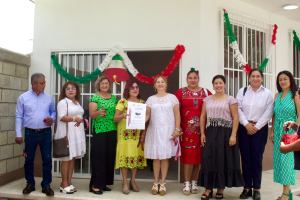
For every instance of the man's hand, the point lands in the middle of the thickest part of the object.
(49, 121)
(19, 140)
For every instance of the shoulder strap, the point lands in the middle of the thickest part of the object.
(205, 91)
(67, 122)
(245, 90)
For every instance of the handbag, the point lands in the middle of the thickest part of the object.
(289, 138)
(61, 146)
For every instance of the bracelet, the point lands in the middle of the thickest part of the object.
(233, 134)
(73, 119)
(177, 129)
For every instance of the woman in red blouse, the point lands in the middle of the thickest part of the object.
(191, 99)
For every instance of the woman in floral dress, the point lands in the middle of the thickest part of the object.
(129, 155)
(191, 99)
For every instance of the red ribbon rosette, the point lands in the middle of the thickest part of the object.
(289, 138)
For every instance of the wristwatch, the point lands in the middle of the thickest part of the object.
(177, 129)
(73, 119)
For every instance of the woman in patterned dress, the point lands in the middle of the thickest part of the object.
(287, 104)
(129, 155)
(220, 162)
(102, 109)
(191, 99)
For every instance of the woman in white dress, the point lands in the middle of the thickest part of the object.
(69, 112)
(164, 127)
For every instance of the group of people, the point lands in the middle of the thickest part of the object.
(208, 131)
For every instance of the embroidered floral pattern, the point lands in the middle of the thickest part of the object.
(219, 122)
(193, 125)
(132, 162)
(131, 134)
(191, 147)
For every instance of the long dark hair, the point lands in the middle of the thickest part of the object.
(293, 86)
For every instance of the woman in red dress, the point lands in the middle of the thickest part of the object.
(191, 99)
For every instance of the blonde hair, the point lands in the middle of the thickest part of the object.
(99, 80)
(164, 78)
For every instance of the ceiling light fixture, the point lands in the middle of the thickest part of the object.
(290, 7)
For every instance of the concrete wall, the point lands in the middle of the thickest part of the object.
(14, 71)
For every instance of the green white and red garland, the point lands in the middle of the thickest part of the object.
(179, 50)
(237, 54)
(296, 40)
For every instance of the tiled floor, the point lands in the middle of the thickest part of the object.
(270, 190)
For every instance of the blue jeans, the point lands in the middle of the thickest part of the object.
(32, 140)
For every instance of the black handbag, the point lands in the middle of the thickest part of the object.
(61, 146)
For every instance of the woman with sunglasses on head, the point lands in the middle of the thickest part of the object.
(286, 108)
(220, 163)
(255, 104)
(102, 109)
(130, 154)
(191, 99)
(69, 113)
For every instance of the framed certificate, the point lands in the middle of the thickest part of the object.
(137, 116)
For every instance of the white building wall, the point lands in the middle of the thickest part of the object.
(135, 24)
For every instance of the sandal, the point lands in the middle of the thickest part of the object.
(220, 196)
(155, 188)
(162, 189)
(125, 189)
(186, 188)
(194, 187)
(290, 195)
(73, 188)
(134, 187)
(67, 190)
(209, 196)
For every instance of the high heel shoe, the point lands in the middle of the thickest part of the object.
(209, 196)
(125, 189)
(290, 195)
(162, 189)
(134, 187)
(155, 188)
(96, 192)
(67, 190)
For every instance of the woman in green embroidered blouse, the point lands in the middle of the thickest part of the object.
(102, 108)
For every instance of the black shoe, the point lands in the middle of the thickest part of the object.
(209, 196)
(106, 189)
(48, 191)
(96, 192)
(28, 189)
(256, 195)
(245, 194)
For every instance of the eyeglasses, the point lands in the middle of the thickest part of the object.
(105, 83)
(68, 89)
(136, 87)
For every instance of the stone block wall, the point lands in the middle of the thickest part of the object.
(14, 80)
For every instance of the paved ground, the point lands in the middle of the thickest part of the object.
(270, 190)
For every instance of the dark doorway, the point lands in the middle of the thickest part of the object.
(151, 63)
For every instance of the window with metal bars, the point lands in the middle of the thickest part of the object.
(296, 64)
(80, 64)
(253, 38)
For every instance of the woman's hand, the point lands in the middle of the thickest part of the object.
(283, 148)
(176, 134)
(251, 129)
(142, 138)
(271, 137)
(232, 140)
(288, 125)
(78, 120)
(203, 139)
(124, 115)
(101, 112)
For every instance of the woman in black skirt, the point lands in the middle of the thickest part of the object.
(220, 164)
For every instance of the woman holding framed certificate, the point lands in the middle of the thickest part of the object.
(164, 127)
(130, 155)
